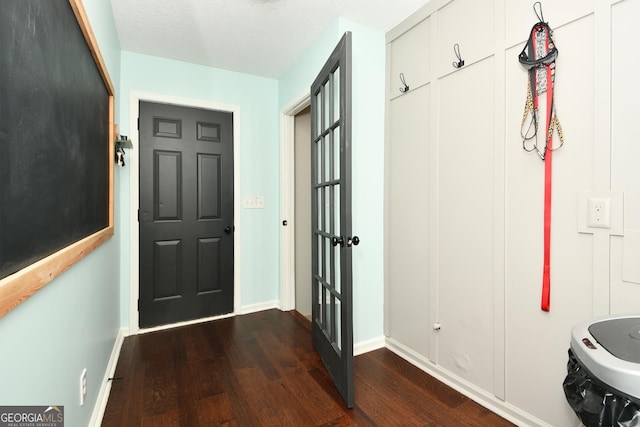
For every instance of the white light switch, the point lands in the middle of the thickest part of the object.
(253, 202)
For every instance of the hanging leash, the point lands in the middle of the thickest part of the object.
(539, 57)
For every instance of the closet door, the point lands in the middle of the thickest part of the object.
(407, 222)
(465, 194)
(407, 183)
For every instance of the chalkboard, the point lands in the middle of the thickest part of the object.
(56, 135)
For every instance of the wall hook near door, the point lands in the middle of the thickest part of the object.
(539, 15)
(121, 142)
(460, 62)
(404, 89)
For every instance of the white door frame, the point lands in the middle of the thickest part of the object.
(134, 181)
(287, 200)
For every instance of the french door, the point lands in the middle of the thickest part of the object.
(332, 240)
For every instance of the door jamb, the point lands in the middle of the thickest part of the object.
(287, 199)
(134, 167)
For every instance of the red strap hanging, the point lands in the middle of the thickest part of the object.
(546, 270)
(541, 48)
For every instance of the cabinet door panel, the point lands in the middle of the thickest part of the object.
(410, 54)
(470, 24)
(520, 16)
(407, 219)
(466, 223)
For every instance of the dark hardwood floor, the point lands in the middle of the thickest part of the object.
(261, 370)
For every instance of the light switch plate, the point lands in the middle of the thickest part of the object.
(253, 202)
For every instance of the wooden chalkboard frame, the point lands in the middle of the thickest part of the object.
(16, 288)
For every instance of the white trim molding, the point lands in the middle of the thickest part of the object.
(105, 387)
(478, 395)
(366, 346)
(287, 200)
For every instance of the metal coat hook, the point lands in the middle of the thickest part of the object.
(404, 89)
(539, 15)
(460, 63)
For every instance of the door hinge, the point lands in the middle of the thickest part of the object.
(138, 305)
(138, 215)
(138, 123)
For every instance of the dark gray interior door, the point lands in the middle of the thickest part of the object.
(332, 305)
(186, 213)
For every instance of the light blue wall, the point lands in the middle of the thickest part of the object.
(368, 54)
(72, 322)
(256, 98)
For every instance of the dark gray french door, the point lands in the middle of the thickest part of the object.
(186, 213)
(332, 296)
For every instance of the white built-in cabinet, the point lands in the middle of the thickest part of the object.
(464, 203)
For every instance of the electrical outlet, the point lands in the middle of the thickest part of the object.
(83, 386)
(599, 212)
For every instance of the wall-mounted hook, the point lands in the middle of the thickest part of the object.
(121, 142)
(460, 62)
(539, 15)
(404, 89)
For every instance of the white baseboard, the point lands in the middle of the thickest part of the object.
(372, 344)
(184, 323)
(261, 306)
(500, 407)
(105, 388)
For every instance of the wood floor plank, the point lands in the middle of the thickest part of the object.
(309, 395)
(167, 419)
(215, 411)
(261, 370)
(435, 389)
(207, 381)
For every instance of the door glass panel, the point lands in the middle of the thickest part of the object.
(327, 157)
(319, 209)
(336, 94)
(338, 324)
(318, 173)
(336, 210)
(326, 93)
(336, 281)
(320, 252)
(327, 209)
(336, 152)
(327, 254)
(317, 302)
(327, 308)
(318, 115)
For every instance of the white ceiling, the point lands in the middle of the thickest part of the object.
(260, 37)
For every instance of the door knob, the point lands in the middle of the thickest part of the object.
(335, 241)
(355, 240)
(227, 230)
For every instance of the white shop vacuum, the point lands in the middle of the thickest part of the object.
(603, 381)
